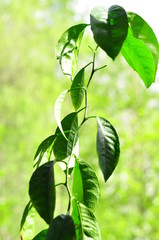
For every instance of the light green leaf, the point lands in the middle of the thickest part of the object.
(57, 110)
(68, 47)
(140, 58)
(61, 228)
(42, 191)
(44, 150)
(109, 28)
(85, 184)
(107, 147)
(41, 235)
(77, 89)
(63, 148)
(27, 226)
(85, 222)
(141, 30)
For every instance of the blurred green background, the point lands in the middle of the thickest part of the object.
(31, 80)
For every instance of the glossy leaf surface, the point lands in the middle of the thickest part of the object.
(107, 147)
(85, 222)
(62, 147)
(85, 184)
(109, 28)
(44, 148)
(42, 191)
(41, 235)
(68, 47)
(142, 30)
(61, 228)
(57, 110)
(27, 226)
(140, 58)
(77, 89)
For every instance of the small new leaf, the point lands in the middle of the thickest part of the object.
(109, 28)
(108, 149)
(68, 47)
(42, 191)
(77, 89)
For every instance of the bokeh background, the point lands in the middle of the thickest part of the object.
(31, 80)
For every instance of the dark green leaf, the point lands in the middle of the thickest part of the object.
(57, 110)
(41, 235)
(141, 30)
(107, 147)
(42, 191)
(109, 28)
(61, 228)
(85, 184)
(27, 226)
(63, 147)
(85, 222)
(44, 148)
(68, 47)
(140, 58)
(77, 89)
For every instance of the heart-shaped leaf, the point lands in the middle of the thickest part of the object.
(41, 235)
(63, 147)
(42, 191)
(85, 184)
(44, 148)
(61, 228)
(107, 147)
(85, 222)
(77, 89)
(27, 226)
(109, 28)
(68, 47)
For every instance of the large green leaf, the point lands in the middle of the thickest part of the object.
(41, 235)
(68, 47)
(109, 28)
(42, 191)
(85, 184)
(27, 226)
(77, 89)
(61, 228)
(63, 147)
(57, 110)
(141, 30)
(107, 147)
(44, 150)
(140, 58)
(85, 223)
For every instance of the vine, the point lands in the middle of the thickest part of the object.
(115, 31)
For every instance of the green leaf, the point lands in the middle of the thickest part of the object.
(140, 58)
(107, 147)
(109, 28)
(77, 89)
(42, 191)
(44, 150)
(85, 222)
(68, 47)
(141, 30)
(63, 148)
(85, 184)
(61, 228)
(57, 110)
(41, 235)
(27, 226)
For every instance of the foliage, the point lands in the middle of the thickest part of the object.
(79, 222)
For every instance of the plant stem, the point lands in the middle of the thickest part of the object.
(68, 189)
